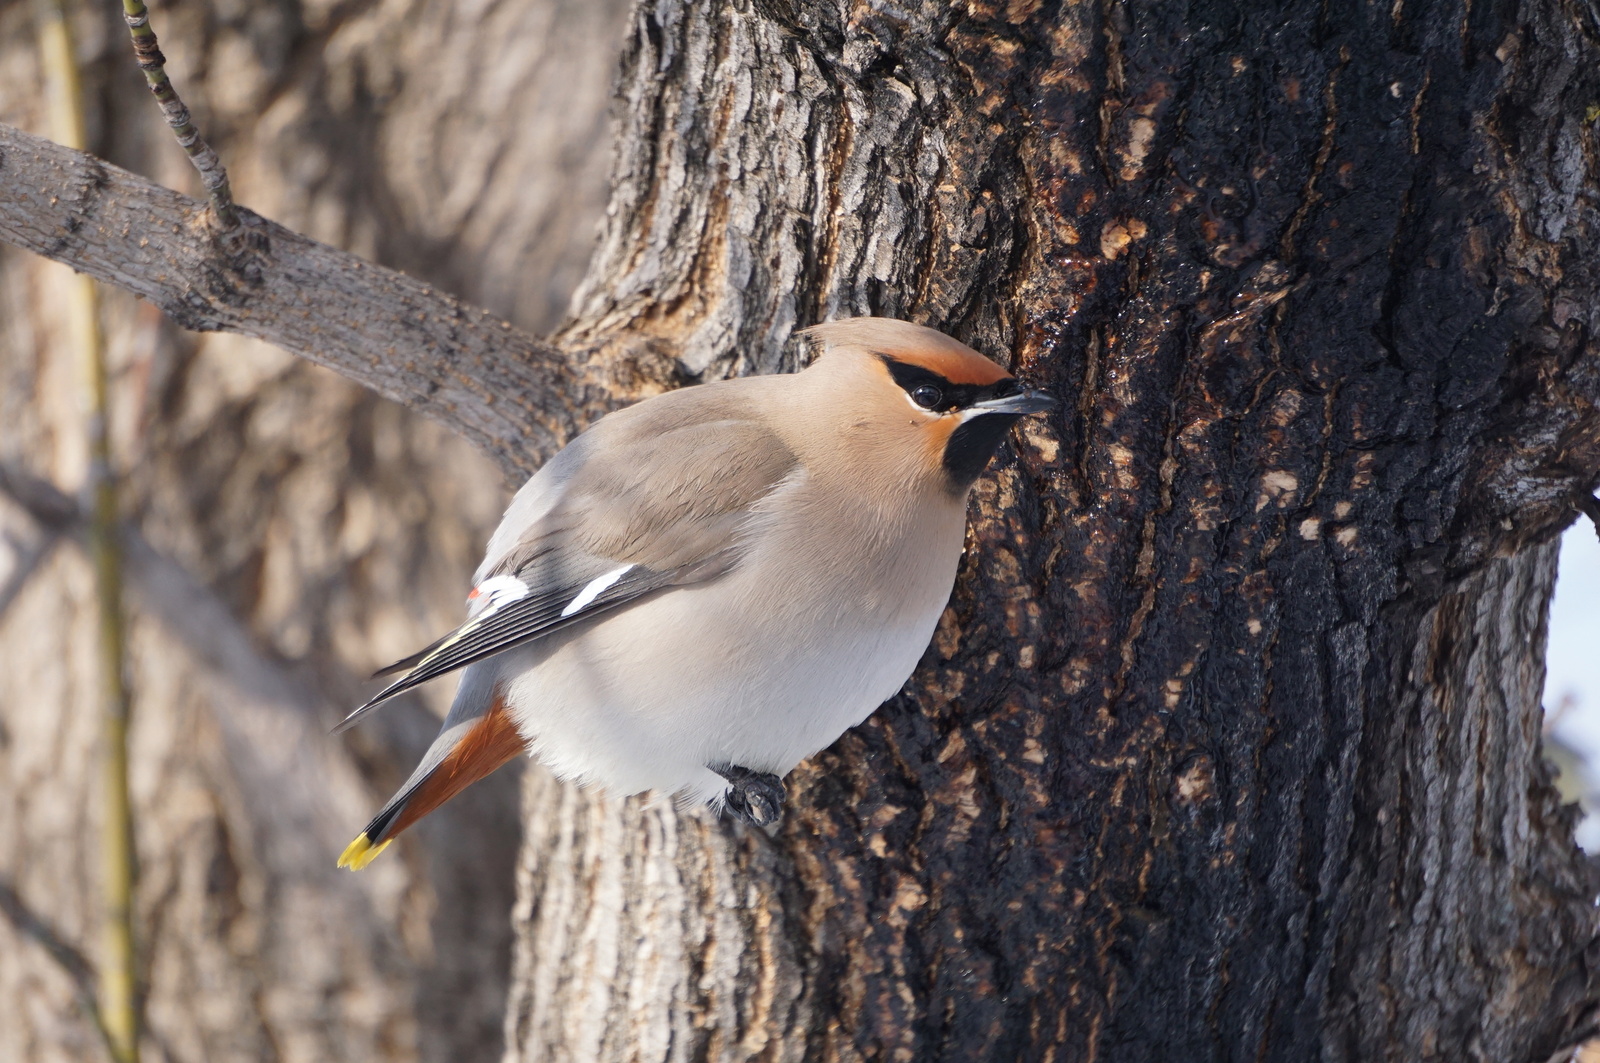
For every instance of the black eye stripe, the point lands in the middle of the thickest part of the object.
(956, 396)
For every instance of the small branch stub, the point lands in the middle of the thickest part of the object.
(1589, 506)
(212, 173)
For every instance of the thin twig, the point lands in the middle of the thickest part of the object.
(71, 960)
(119, 976)
(212, 173)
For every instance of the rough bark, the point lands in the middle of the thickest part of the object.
(1455, 811)
(1227, 745)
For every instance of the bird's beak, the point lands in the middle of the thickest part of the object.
(1020, 403)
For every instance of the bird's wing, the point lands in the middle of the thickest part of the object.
(657, 506)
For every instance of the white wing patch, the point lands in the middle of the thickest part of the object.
(596, 587)
(499, 591)
(486, 599)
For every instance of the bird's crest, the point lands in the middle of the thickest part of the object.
(910, 344)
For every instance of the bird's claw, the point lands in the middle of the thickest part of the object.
(753, 796)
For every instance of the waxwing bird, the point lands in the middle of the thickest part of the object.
(707, 587)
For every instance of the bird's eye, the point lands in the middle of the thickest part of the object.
(927, 396)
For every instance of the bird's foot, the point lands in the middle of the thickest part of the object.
(753, 796)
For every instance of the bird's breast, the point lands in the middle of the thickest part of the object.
(815, 627)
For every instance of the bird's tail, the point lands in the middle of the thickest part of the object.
(464, 752)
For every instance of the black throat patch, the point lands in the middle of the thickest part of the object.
(973, 444)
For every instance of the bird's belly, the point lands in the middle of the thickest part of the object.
(711, 675)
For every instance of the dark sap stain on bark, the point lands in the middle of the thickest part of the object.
(1227, 746)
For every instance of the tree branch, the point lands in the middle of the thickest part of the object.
(188, 608)
(512, 395)
(71, 960)
(275, 728)
(29, 560)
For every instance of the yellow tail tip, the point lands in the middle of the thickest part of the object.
(361, 852)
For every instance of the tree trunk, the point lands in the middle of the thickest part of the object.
(1227, 746)
(296, 531)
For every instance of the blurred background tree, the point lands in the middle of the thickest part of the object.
(304, 530)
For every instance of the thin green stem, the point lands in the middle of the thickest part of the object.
(212, 173)
(119, 1005)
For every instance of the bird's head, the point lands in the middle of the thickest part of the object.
(953, 403)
